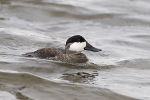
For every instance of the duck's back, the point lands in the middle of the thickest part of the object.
(58, 54)
(45, 53)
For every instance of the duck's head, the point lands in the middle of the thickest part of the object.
(78, 43)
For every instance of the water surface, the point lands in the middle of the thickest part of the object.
(120, 28)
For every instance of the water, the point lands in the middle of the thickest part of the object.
(120, 28)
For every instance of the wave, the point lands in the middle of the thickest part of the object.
(27, 86)
(21, 76)
(25, 9)
(135, 63)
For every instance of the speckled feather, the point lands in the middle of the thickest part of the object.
(58, 55)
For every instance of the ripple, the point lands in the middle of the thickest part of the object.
(133, 44)
(145, 37)
(25, 10)
(136, 63)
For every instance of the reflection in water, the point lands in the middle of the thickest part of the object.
(79, 77)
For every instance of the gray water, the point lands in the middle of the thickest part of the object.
(121, 28)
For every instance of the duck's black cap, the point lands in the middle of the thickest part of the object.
(75, 38)
(79, 38)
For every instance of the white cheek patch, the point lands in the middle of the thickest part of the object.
(77, 46)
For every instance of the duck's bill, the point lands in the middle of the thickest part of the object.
(91, 48)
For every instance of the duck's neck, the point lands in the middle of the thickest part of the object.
(67, 51)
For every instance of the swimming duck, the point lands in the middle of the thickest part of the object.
(71, 54)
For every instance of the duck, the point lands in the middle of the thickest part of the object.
(71, 54)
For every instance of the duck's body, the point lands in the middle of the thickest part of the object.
(58, 54)
(71, 53)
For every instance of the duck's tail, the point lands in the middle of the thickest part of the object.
(30, 54)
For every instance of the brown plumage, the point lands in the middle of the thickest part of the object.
(58, 54)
